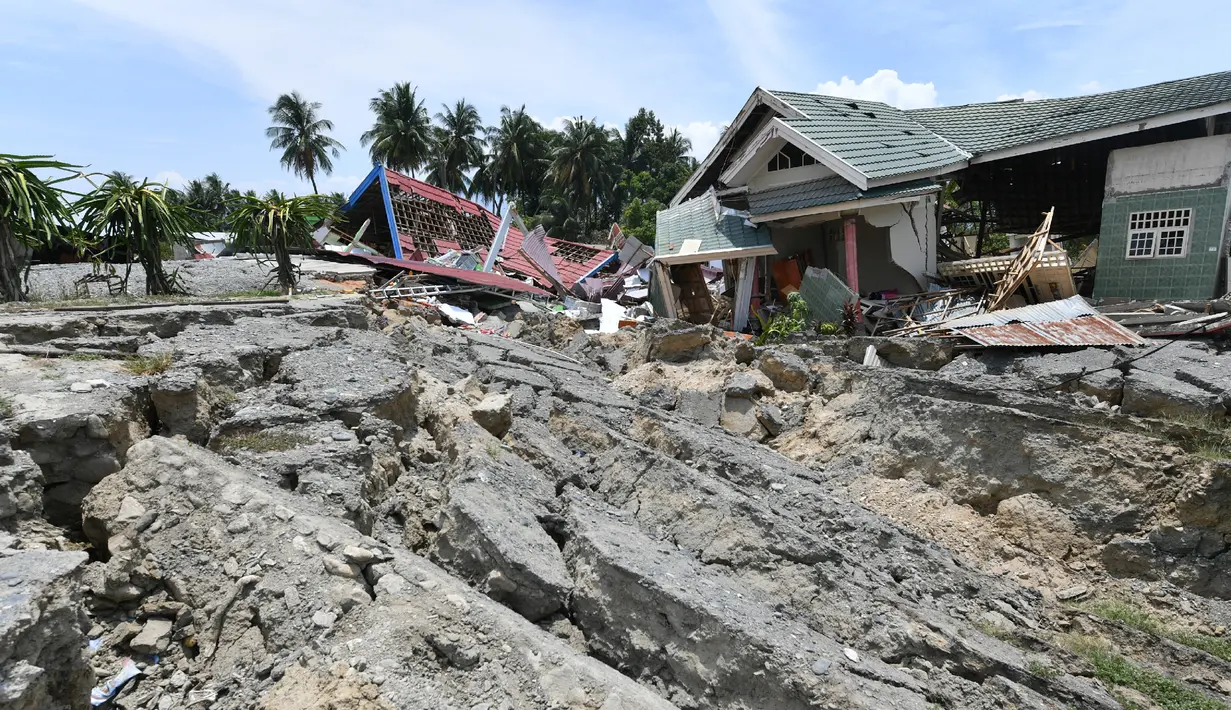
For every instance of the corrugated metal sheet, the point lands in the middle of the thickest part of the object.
(1050, 312)
(1083, 331)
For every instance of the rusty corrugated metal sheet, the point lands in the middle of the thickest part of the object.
(1081, 331)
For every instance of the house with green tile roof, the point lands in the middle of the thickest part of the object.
(855, 186)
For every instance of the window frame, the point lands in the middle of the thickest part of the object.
(1153, 223)
(783, 156)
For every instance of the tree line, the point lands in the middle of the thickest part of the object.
(574, 181)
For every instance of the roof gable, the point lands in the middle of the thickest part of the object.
(875, 139)
(713, 230)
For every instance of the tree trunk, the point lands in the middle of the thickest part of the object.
(312, 179)
(286, 270)
(13, 258)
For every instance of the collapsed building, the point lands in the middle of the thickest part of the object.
(876, 195)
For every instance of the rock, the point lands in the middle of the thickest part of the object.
(514, 329)
(1072, 593)
(747, 384)
(786, 370)
(342, 568)
(851, 655)
(1149, 394)
(21, 483)
(324, 619)
(358, 555)
(915, 353)
(80, 387)
(131, 510)
(822, 666)
(153, 639)
(676, 345)
(1035, 524)
(241, 524)
(495, 414)
(184, 403)
(739, 416)
(771, 418)
(42, 632)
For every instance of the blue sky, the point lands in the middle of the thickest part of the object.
(177, 89)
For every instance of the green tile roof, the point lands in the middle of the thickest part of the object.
(983, 128)
(695, 219)
(830, 190)
(876, 139)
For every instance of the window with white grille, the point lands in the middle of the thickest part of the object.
(1159, 234)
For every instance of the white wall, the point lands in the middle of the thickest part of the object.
(764, 178)
(912, 236)
(1199, 162)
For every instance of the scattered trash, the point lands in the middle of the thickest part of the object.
(205, 694)
(106, 691)
(88, 385)
(851, 655)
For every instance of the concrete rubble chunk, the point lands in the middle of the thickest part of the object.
(494, 413)
(786, 370)
(154, 637)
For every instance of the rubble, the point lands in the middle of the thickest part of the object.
(314, 511)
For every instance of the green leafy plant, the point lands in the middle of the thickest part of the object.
(1116, 670)
(136, 222)
(783, 325)
(85, 357)
(823, 328)
(276, 224)
(33, 213)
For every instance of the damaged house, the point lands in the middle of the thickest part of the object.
(856, 187)
(412, 222)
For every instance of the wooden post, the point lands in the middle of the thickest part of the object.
(743, 293)
(852, 256)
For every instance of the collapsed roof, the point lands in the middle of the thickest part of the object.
(429, 221)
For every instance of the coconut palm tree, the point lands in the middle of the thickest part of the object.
(519, 157)
(277, 224)
(401, 137)
(32, 211)
(135, 221)
(582, 167)
(457, 147)
(302, 136)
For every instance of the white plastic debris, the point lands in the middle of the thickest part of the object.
(455, 313)
(851, 655)
(609, 321)
(106, 691)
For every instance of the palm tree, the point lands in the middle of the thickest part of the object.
(677, 146)
(136, 221)
(277, 224)
(207, 196)
(519, 157)
(32, 211)
(582, 167)
(401, 137)
(302, 137)
(457, 147)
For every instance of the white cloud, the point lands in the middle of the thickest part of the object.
(703, 134)
(1030, 95)
(171, 178)
(1090, 87)
(883, 86)
(756, 33)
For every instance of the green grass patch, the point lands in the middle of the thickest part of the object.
(1041, 670)
(225, 396)
(85, 357)
(262, 442)
(1116, 670)
(6, 407)
(257, 293)
(149, 364)
(1201, 435)
(1131, 615)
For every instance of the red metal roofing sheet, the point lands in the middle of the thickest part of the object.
(479, 278)
(1083, 331)
(570, 271)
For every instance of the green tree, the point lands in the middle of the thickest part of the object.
(277, 224)
(518, 160)
(583, 170)
(457, 147)
(302, 136)
(401, 137)
(32, 212)
(136, 221)
(209, 198)
(656, 164)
